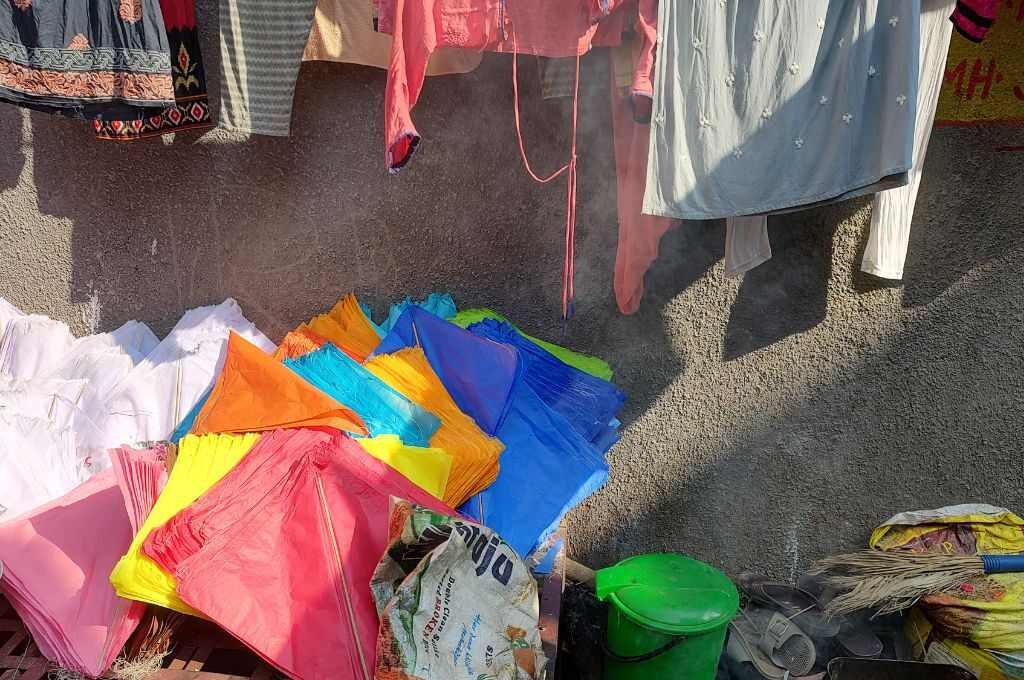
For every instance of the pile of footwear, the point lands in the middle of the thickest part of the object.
(782, 631)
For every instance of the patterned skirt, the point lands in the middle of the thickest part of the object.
(191, 107)
(85, 58)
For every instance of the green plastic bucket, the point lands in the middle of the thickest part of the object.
(668, 617)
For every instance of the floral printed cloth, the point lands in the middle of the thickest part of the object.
(82, 59)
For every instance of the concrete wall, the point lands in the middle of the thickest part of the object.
(770, 419)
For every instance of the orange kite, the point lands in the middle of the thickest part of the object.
(300, 341)
(254, 393)
(348, 328)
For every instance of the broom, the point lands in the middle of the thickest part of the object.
(893, 581)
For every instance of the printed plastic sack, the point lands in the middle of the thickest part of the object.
(455, 602)
(988, 611)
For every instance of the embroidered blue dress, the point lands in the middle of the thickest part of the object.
(771, 105)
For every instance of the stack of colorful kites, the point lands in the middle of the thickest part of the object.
(267, 509)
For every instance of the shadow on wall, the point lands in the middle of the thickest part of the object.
(928, 418)
(787, 294)
(10, 143)
(958, 224)
(288, 224)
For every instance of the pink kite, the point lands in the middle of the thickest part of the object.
(56, 560)
(291, 577)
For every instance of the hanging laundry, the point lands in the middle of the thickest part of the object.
(55, 565)
(152, 400)
(588, 403)
(973, 18)
(254, 393)
(588, 364)
(261, 44)
(474, 455)
(348, 327)
(201, 462)
(746, 244)
(383, 409)
(639, 234)
(315, 618)
(427, 468)
(191, 107)
(546, 468)
(421, 26)
(892, 211)
(983, 81)
(85, 59)
(343, 32)
(820, 97)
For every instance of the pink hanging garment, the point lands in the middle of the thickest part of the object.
(973, 18)
(291, 579)
(539, 27)
(639, 234)
(56, 560)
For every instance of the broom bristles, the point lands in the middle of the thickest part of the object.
(139, 668)
(891, 581)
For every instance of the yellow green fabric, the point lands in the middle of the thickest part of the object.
(584, 362)
(202, 461)
(989, 611)
(427, 468)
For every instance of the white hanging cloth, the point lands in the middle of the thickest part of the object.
(892, 211)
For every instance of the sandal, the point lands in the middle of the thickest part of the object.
(787, 646)
(855, 636)
(796, 604)
(743, 648)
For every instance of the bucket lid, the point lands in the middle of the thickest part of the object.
(669, 593)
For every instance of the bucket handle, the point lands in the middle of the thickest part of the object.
(668, 646)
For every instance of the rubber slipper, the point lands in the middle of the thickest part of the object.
(742, 647)
(875, 669)
(855, 636)
(796, 604)
(787, 646)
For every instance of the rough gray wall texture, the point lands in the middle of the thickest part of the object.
(770, 420)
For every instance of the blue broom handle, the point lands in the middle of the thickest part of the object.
(1002, 564)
